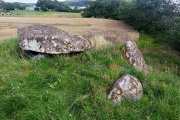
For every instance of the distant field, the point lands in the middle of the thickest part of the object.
(110, 30)
(29, 8)
(33, 13)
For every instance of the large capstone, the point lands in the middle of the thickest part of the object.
(126, 87)
(48, 39)
(134, 56)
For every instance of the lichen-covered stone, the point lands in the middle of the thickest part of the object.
(48, 39)
(134, 56)
(128, 87)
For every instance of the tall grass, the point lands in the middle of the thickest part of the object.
(74, 86)
(158, 57)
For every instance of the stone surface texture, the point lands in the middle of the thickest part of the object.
(128, 87)
(134, 56)
(45, 38)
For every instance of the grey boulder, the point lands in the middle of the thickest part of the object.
(133, 55)
(128, 87)
(49, 39)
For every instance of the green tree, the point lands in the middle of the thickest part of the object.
(102, 9)
(151, 15)
(160, 18)
(18, 6)
(1, 4)
(44, 8)
(53, 5)
(9, 6)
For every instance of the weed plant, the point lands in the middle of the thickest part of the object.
(74, 86)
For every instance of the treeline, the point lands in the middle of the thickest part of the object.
(160, 18)
(53, 5)
(11, 6)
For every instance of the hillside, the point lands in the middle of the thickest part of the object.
(74, 86)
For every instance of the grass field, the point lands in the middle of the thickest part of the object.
(33, 13)
(74, 86)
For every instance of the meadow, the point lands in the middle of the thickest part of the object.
(74, 86)
(33, 13)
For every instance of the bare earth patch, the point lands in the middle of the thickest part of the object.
(111, 30)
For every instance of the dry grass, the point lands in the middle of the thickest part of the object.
(100, 42)
(110, 30)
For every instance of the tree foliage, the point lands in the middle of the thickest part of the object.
(53, 5)
(44, 8)
(11, 6)
(157, 17)
(102, 9)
